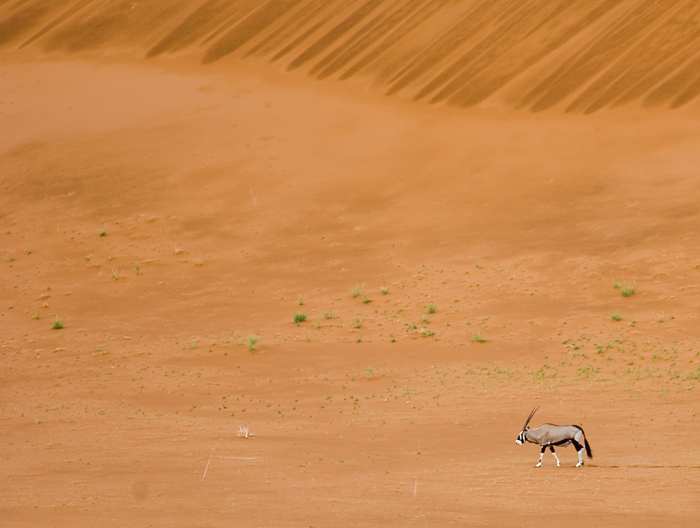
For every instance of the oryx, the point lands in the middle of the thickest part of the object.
(548, 436)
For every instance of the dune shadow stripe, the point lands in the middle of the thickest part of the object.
(248, 28)
(21, 22)
(335, 33)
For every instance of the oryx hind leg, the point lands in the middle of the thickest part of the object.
(551, 448)
(579, 449)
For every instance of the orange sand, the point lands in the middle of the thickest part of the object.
(177, 176)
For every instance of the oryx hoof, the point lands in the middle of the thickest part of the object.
(539, 465)
(579, 464)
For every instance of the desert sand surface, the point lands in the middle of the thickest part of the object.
(454, 194)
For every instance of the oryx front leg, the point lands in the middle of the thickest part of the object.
(544, 448)
(551, 448)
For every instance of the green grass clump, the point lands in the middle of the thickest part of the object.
(431, 308)
(384, 290)
(616, 316)
(357, 290)
(252, 340)
(626, 288)
(57, 324)
(478, 338)
(299, 317)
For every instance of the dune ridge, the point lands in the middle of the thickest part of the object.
(575, 55)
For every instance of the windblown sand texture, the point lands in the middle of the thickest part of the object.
(584, 55)
(455, 194)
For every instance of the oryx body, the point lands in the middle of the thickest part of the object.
(550, 435)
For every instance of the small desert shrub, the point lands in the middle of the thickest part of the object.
(478, 338)
(369, 371)
(103, 232)
(626, 288)
(330, 315)
(357, 290)
(252, 340)
(357, 323)
(366, 300)
(299, 317)
(616, 316)
(384, 290)
(57, 324)
(431, 308)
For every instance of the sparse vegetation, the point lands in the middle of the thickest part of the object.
(58, 324)
(366, 300)
(384, 290)
(252, 340)
(357, 290)
(616, 316)
(103, 232)
(244, 432)
(626, 288)
(330, 315)
(478, 338)
(431, 308)
(299, 317)
(369, 371)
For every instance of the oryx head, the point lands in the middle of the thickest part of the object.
(521, 437)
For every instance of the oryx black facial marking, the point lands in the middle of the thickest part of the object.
(549, 435)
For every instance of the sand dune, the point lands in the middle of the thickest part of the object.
(579, 56)
(182, 180)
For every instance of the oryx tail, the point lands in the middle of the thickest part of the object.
(589, 453)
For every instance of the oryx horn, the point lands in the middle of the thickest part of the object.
(532, 413)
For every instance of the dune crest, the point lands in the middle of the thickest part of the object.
(578, 56)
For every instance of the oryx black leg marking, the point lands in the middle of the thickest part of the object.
(544, 448)
(551, 448)
(579, 451)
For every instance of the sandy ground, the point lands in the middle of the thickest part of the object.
(175, 187)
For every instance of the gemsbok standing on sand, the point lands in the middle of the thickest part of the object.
(548, 436)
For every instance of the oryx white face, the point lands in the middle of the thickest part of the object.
(521, 438)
